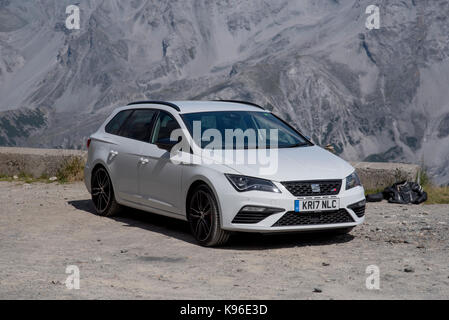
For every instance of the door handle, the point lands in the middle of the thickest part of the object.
(112, 154)
(144, 161)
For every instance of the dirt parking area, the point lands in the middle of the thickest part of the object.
(46, 227)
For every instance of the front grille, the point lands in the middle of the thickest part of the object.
(313, 188)
(293, 218)
(358, 208)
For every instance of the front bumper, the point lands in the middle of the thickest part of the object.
(231, 202)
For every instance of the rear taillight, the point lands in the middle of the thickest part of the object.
(88, 143)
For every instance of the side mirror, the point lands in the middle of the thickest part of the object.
(166, 145)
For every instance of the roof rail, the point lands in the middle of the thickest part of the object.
(242, 102)
(164, 103)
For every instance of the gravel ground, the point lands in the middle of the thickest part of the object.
(46, 227)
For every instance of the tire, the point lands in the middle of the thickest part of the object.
(204, 219)
(375, 197)
(103, 194)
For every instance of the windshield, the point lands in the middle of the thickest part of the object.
(241, 130)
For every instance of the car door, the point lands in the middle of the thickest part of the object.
(124, 157)
(160, 179)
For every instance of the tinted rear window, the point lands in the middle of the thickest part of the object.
(113, 127)
(139, 125)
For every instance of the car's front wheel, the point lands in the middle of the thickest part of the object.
(204, 218)
(103, 194)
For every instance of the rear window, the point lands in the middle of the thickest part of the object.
(139, 125)
(113, 127)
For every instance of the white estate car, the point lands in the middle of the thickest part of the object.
(130, 165)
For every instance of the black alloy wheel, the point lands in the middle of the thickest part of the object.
(103, 194)
(204, 219)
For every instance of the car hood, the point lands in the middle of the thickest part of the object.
(302, 163)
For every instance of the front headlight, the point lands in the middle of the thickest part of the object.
(352, 181)
(244, 183)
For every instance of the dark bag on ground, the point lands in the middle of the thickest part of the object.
(403, 192)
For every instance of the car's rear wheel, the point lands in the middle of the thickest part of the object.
(204, 218)
(103, 194)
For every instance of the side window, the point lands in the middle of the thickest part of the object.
(113, 127)
(163, 128)
(139, 125)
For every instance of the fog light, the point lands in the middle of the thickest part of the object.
(358, 204)
(254, 214)
(358, 208)
(257, 209)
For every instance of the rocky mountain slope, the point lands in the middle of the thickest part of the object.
(379, 95)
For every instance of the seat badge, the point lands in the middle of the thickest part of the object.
(315, 187)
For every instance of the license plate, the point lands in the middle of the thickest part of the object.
(317, 205)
